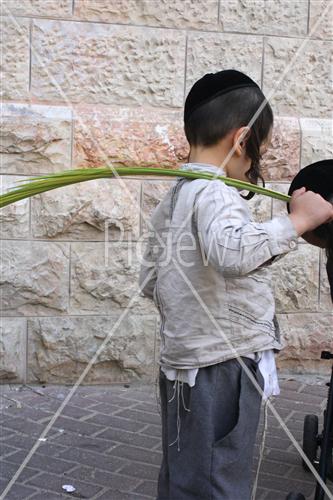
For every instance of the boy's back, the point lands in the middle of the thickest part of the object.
(210, 260)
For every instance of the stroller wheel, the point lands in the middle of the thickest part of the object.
(310, 438)
(295, 496)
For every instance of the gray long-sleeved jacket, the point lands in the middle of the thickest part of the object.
(206, 266)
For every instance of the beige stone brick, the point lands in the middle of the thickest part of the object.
(305, 336)
(96, 63)
(201, 14)
(321, 19)
(267, 17)
(34, 278)
(317, 140)
(211, 52)
(47, 8)
(298, 72)
(15, 57)
(282, 159)
(13, 338)
(296, 280)
(104, 278)
(35, 139)
(15, 218)
(95, 210)
(60, 349)
(139, 136)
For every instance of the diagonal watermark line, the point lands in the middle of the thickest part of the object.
(253, 380)
(71, 393)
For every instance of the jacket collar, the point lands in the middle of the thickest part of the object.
(203, 167)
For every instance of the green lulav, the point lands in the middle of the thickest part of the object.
(43, 183)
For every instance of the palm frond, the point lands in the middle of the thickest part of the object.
(43, 183)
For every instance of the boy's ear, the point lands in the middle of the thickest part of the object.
(239, 140)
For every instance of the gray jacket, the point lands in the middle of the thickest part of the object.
(206, 266)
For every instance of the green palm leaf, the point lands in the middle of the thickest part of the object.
(43, 183)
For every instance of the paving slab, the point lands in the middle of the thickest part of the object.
(107, 441)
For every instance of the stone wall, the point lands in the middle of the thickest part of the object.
(95, 82)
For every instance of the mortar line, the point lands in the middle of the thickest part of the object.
(183, 30)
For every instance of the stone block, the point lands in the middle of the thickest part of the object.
(47, 8)
(296, 280)
(15, 218)
(321, 19)
(35, 139)
(180, 14)
(13, 349)
(282, 159)
(128, 137)
(305, 336)
(104, 278)
(265, 17)
(97, 63)
(60, 349)
(211, 52)
(104, 209)
(298, 74)
(317, 140)
(34, 278)
(15, 57)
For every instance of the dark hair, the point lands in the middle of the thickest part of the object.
(212, 121)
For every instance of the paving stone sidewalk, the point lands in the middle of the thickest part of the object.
(106, 443)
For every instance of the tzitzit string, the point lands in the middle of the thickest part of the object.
(178, 388)
(261, 451)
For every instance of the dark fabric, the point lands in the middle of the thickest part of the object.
(212, 85)
(317, 177)
(217, 436)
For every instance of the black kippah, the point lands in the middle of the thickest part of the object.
(213, 85)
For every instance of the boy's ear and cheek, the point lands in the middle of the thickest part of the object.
(240, 136)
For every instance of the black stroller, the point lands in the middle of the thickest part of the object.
(319, 178)
(312, 441)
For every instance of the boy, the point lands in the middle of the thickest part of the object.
(206, 266)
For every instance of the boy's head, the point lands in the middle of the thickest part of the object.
(222, 105)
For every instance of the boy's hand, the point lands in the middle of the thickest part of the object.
(309, 210)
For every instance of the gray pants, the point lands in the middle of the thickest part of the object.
(208, 451)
